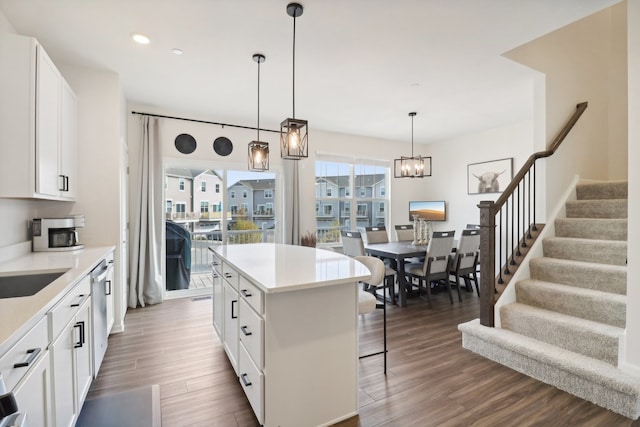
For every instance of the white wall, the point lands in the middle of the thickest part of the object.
(632, 351)
(580, 64)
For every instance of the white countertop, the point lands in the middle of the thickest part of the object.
(276, 267)
(18, 314)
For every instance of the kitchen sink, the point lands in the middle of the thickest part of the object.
(24, 285)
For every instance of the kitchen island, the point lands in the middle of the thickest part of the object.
(287, 316)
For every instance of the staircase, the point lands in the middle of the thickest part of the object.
(565, 326)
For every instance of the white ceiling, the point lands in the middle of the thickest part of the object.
(361, 65)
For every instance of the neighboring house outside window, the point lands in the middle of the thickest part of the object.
(217, 188)
(181, 184)
(232, 194)
(268, 193)
(203, 186)
(204, 206)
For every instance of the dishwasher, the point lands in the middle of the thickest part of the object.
(100, 288)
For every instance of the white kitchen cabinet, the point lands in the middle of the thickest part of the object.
(37, 124)
(26, 371)
(71, 355)
(230, 340)
(109, 291)
(218, 303)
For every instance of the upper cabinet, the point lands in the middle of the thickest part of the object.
(38, 112)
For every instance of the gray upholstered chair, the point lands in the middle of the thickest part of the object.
(353, 246)
(367, 302)
(404, 232)
(464, 262)
(376, 234)
(435, 265)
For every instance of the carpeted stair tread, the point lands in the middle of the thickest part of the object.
(585, 377)
(571, 333)
(602, 190)
(603, 307)
(613, 208)
(589, 250)
(600, 277)
(592, 228)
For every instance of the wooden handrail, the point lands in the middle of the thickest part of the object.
(489, 210)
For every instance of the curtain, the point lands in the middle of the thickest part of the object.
(145, 262)
(292, 202)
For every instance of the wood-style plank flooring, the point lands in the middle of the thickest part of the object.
(432, 380)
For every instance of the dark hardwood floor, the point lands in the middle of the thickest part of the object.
(432, 380)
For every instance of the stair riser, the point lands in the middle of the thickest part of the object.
(582, 306)
(587, 276)
(606, 229)
(614, 400)
(597, 251)
(608, 190)
(596, 209)
(570, 337)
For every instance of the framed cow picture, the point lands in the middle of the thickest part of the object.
(489, 177)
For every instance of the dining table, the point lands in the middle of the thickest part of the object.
(398, 252)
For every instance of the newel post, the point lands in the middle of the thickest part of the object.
(487, 262)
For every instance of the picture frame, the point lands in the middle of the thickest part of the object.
(489, 177)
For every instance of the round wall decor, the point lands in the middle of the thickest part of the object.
(185, 143)
(222, 146)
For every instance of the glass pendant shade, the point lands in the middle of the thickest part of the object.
(293, 139)
(258, 156)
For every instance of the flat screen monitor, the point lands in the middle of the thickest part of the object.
(428, 210)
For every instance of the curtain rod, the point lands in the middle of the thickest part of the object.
(202, 121)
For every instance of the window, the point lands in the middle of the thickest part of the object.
(232, 194)
(217, 188)
(244, 207)
(234, 209)
(169, 206)
(203, 186)
(269, 208)
(204, 206)
(268, 193)
(181, 184)
(181, 210)
(364, 183)
(244, 194)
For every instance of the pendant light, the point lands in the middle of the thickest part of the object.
(258, 150)
(294, 132)
(414, 166)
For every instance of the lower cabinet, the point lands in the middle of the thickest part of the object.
(231, 324)
(218, 302)
(71, 363)
(34, 393)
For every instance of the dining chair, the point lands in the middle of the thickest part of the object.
(367, 301)
(353, 246)
(404, 232)
(376, 234)
(435, 265)
(464, 262)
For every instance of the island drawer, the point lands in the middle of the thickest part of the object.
(252, 381)
(230, 274)
(251, 332)
(252, 295)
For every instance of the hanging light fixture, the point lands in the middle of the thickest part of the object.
(294, 132)
(414, 166)
(258, 150)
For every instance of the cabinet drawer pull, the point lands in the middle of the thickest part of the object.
(77, 304)
(233, 315)
(228, 275)
(216, 275)
(246, 293)
(245, 331)
(246, 382)
(66, 183)
(63, 181)
(33, 355)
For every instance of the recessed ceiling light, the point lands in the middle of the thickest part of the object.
(140, 38)
(177, 51)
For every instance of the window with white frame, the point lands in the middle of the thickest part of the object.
(204, 206)
(169, 206)
(365, 180)
(245, 194)
(232, 194)
(217, 188)
(203, 186)
(268, 193)
(181, 184)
